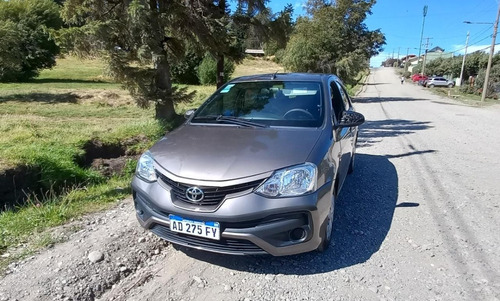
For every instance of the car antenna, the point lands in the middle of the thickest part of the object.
(274, 75)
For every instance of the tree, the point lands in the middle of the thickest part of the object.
(281, 28)
(141, 39)
(207, 70)
(26, 45)
(333, 39)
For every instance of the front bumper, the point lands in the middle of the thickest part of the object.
(250, 224)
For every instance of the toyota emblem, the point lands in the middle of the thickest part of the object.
(194, 194)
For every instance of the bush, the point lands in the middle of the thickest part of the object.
(468, 89)
(27, 47)
(278, 56)
(493, 81)
(207, 71)
(186, 70)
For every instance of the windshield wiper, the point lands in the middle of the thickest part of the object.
(232, 120)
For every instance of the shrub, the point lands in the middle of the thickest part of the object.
(27, 45)
(186, 70)
(207, 71)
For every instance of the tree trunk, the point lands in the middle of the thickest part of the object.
(164, 107)
(220, 70)
(220, 56)
(165, 110)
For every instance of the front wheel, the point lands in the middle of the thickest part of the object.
(327, 228)
(450, 85)
(430, 86)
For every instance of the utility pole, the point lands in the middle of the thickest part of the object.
(422, 34)
(399, 48)
(492, 50)
(425, 55)
(406, 60)
(463, 60)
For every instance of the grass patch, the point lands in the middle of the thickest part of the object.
(468, 99)
(256, 65)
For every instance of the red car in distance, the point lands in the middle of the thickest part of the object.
(418, 77)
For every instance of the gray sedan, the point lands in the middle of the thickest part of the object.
(255, 170)
(438, 82)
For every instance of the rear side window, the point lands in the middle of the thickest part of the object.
(337, 100)
(345, 97)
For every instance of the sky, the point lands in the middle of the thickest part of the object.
(401, 23)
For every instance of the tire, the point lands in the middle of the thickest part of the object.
(431, 86)
(450, 86)
(327, 228)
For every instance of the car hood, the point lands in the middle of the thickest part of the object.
(220, 153)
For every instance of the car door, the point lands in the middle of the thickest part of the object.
(344, 136)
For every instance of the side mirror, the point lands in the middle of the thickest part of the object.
(351, 118)
(189, 113)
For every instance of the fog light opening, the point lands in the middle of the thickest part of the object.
(297, 234)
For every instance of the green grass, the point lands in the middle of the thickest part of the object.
(468, 99)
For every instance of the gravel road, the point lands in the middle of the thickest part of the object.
(418, 220)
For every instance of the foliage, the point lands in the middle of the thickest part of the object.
(493, 87)
(333, 39)
(26, 45)
(143, 39)
(185, 71)
(391, 62)
(207, 71)
(281, 27)
(449, 67)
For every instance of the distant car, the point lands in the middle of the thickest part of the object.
(438, 82)
(418, 77)
(255, 170)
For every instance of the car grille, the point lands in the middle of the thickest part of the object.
(226, 246)
(212, 195)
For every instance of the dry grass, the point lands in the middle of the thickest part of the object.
(258, 65)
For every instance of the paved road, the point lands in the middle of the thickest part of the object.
(418, 220)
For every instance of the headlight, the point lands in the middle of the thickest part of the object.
(145, 167)
(291, 181)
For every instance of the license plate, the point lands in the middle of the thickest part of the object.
(197, 228)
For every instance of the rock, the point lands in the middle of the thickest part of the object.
(95, 256)
(197, 279)
(373, 289)
(123, 269)
(142, 239)
(227, 288)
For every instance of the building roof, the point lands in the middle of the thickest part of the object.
(436, 49)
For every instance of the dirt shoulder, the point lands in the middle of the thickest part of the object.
(109, 247)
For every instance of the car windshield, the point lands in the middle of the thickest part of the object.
(264, 103)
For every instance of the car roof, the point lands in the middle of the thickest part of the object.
(316, 77)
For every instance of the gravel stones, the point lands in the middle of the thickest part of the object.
(96, 256)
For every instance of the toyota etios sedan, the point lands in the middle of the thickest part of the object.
(256, 169)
